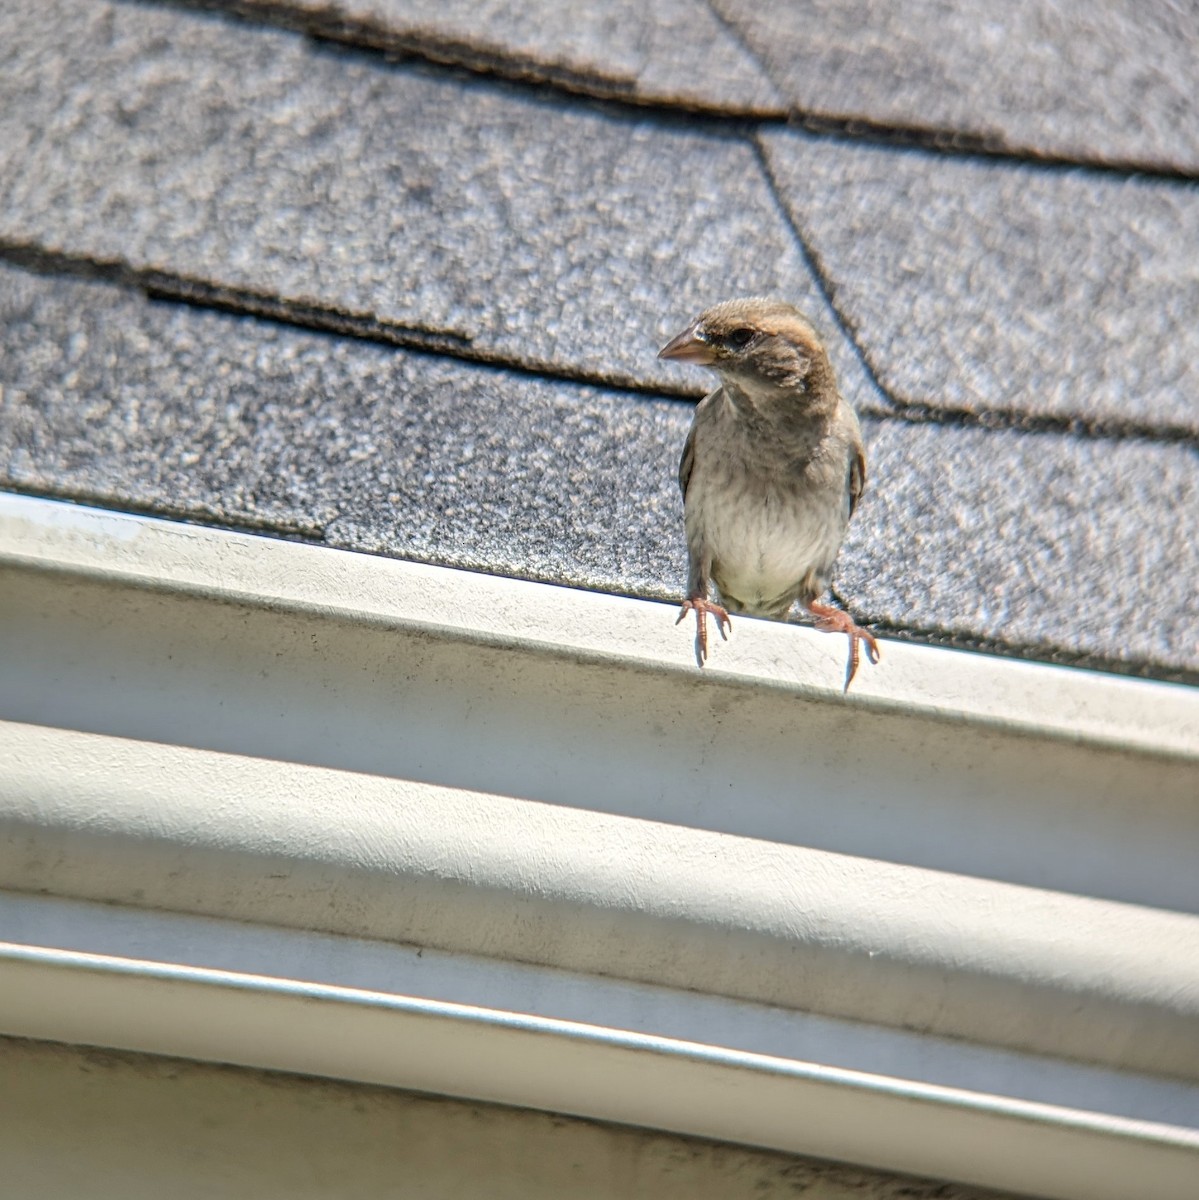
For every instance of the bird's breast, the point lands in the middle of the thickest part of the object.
(768, 547)
(769, 521)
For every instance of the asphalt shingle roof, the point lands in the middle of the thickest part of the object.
(673, 52)
(989, 286)
(1109, 83)
(492, 220)
(340, 288)
(164, 408)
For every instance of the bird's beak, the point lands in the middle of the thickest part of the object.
(689, 347)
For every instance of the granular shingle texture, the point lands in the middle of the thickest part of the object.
(1108, 83)
(367, 447)
(675, 52)
(564, 240)
(410, 277)
(982, 286)
(1030, 540)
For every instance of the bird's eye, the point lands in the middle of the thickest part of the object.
(741, 338)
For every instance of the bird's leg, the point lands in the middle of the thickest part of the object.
(834, 620)
(701, 606)
(699, 574)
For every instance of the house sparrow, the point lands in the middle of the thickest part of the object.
(771, 472)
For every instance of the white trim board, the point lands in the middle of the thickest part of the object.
(245, 949)
(296, 846)
(981, 866)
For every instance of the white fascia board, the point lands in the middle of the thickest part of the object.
(964, 852)
(293, 845)
(482, 982)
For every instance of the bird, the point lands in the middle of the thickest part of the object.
(772, 470)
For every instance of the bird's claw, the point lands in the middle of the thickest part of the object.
(834, 620)
(701, 608)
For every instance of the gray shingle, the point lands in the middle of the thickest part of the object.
(164, 408)
(1045, 541)
(1111, 82)
(1052, 542)
(569, 240)
(980, 285)
(674, 52)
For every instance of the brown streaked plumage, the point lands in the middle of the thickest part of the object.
(771, 472)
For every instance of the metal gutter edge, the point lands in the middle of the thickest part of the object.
(587, 1071)
(954, 686)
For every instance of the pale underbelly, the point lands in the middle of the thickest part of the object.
(765, 556)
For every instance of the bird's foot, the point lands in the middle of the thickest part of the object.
(834, 620)
(701, 608)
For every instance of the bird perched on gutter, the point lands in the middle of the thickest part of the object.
(771, 472)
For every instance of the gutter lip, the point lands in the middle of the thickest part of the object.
(144, 997)
(16, 953)
(1055, 702)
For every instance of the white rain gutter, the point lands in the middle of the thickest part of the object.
(943, 925)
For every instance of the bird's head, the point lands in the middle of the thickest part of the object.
(759, 345)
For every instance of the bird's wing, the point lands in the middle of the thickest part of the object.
(703, 412)
(687, 461)
(857, 476)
